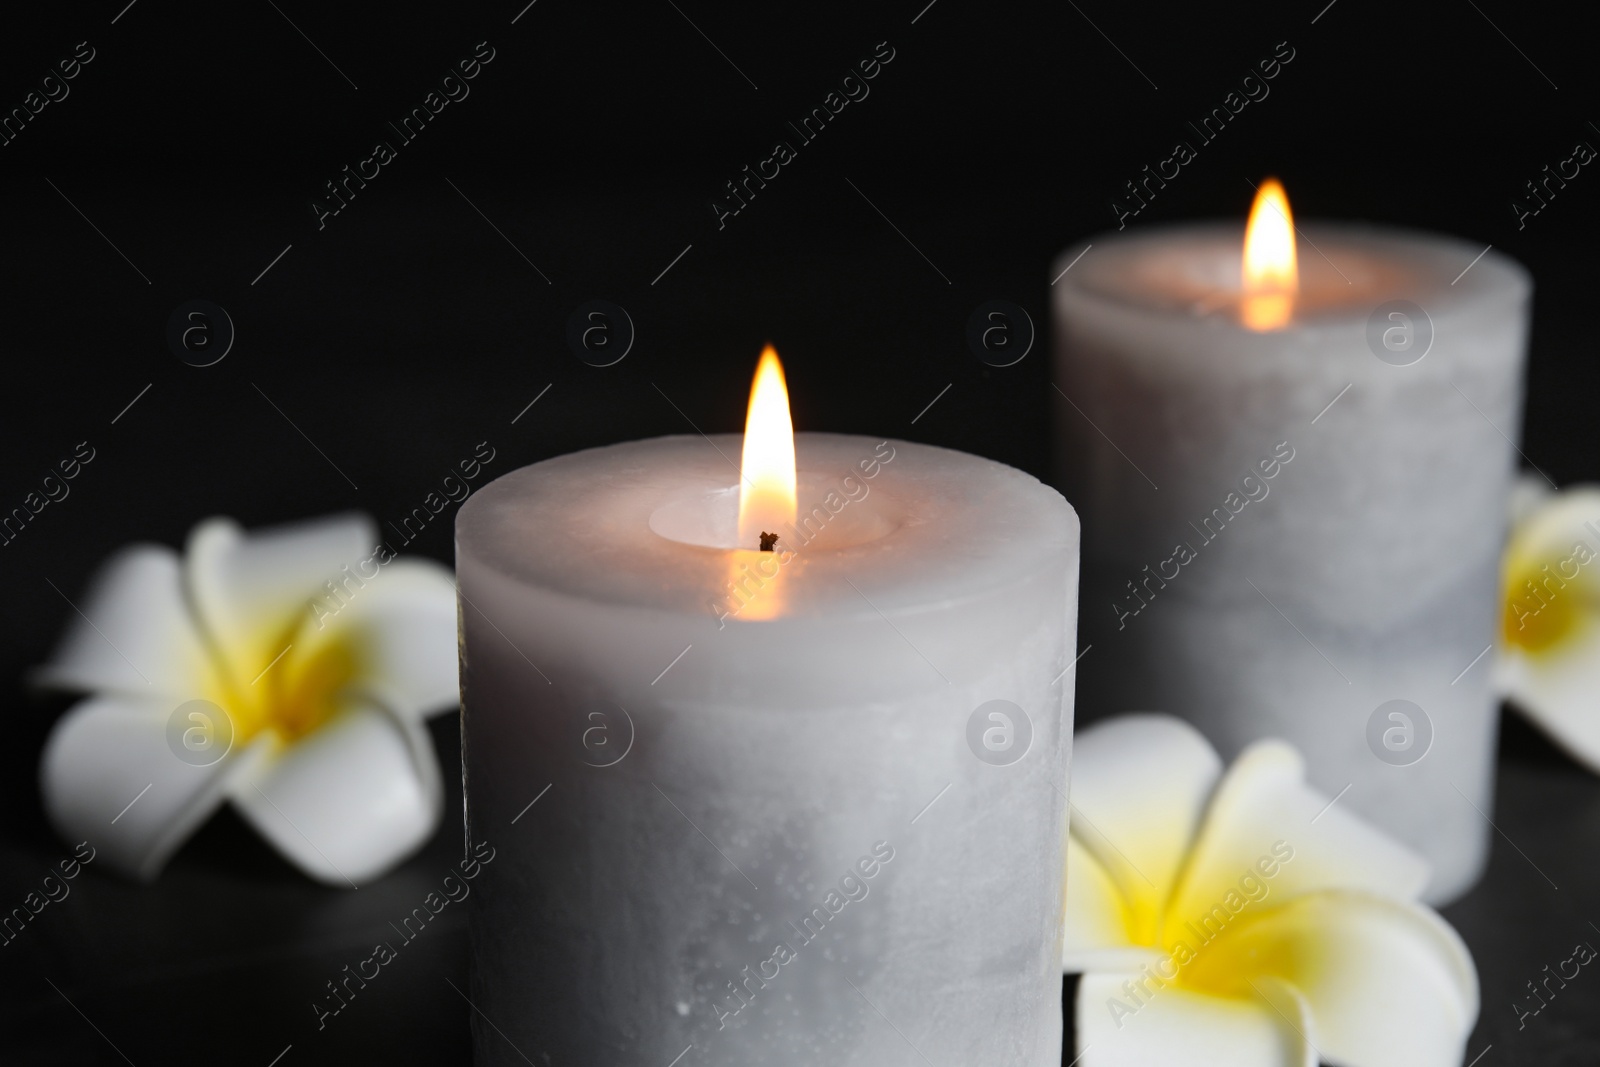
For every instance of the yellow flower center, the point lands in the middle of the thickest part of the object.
(1243, 953)
(1541, 610)
(294, 694)
(1141, 914)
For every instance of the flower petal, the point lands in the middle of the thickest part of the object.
(254, 591)
(1096, 922)
(1388, 983)
(109, 778)
(1549, 662)
(404, 621)
(1290, 1005)
(135, 634)
(1139, 787)
(1175, 1027)
(1561, 696)
(350, 800)
(1550, 523)
(1551, 557)
(1265, 817)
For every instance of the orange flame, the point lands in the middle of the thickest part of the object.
(1271, 272)
(767, 479)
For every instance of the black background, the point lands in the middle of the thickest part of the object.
(414, 325)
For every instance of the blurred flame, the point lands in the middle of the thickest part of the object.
(1271, 272)
(766, 467)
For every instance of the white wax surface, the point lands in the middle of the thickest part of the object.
(1368, 571)
(765, 762)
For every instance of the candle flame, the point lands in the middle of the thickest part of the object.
(766, 471)
(1271, 272)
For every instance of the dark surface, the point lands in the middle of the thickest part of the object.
(412, 327)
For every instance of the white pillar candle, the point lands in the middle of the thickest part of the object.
(760, 833)
(1310, 531)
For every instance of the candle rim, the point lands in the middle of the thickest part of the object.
(1492, 278)
(910, 569)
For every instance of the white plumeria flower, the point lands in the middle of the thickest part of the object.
(1241, 920)
(1548, 660)
(325, 653)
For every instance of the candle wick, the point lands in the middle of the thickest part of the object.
(768, 540)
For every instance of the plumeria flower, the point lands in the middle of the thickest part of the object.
(286, 671)
(1548, 663)
(1242, 919)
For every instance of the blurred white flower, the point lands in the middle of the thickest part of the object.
(1548, 662)
(1242, 918)
(286, 671)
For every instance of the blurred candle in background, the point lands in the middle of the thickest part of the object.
(794, 806)
(1293, 454)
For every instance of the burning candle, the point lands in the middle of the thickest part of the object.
(1293, 456)
(789, 806)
